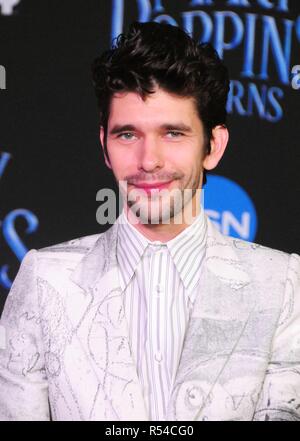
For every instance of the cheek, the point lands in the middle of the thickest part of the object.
(189, 164)
(186, 155)
(121, 163)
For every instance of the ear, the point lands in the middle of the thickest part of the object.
(218, 145)
(106, 158)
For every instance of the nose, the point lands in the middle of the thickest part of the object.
(150, 154)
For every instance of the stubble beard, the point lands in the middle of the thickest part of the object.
(166, 206)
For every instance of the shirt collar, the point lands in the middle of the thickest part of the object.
(186, 249)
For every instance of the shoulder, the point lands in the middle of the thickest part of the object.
(61, 257)
(79, 245)
(255, 251)
(265, 261)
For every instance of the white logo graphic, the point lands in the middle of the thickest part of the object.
(296, 78)
(226, 220)
(2, 77)
(7, 6)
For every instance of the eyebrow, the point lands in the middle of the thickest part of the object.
(119, 128)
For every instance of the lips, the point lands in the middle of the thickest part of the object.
(148, 186)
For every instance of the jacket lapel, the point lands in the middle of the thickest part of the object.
(217, 323)
(103, 334)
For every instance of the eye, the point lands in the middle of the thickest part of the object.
(175, 134)
(125, 137)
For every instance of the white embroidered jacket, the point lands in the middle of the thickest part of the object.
(67, 345)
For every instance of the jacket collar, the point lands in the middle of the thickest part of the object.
(221, 259)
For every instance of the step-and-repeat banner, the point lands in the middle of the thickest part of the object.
(51, 165)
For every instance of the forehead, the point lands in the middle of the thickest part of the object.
(160, 104)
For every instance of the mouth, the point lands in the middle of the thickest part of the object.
(148, 186)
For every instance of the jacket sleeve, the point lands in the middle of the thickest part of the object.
(280, 396)
(23, 380)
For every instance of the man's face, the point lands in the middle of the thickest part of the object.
(160, 140)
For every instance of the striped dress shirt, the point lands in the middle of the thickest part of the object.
(159, 281)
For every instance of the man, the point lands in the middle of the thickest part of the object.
(161, 317)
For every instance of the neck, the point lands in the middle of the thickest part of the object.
(165, 232)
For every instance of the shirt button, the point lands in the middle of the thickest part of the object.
(155, 247)
(158, 356)
(158, 288)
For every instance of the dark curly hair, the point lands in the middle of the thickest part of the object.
(156, 54)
